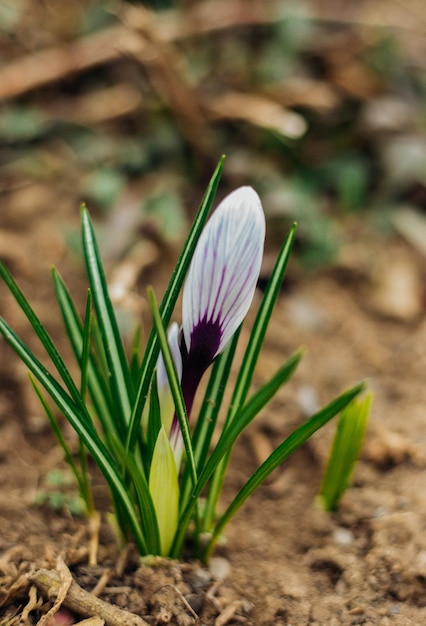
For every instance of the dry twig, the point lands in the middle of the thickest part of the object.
(82, 602)
(64, 582)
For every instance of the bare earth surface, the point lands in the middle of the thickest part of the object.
(285, 561)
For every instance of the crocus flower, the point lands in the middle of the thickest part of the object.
(219, 287)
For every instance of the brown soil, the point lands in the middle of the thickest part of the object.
(285, 561)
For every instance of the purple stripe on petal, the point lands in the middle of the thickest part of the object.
(205, 340)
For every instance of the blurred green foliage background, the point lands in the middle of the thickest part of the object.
(319, 105)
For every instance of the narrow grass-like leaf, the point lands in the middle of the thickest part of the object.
(86, 493)
(347, 443)
(99, 357)
(136, 356)
(119, 371)
(168, 304)
(85, 353)
(154, 417)
(174, 383)
(83, 427)
(284, 450)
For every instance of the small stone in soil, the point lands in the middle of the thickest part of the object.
(219, 568)
(343, 537)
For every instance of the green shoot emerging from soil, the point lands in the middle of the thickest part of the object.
(345, 449)
(133, 414)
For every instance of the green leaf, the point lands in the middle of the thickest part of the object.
(164, 490)
(154, 417)
(347, 443)
(135, 361)
(85, 353)
(121, 386)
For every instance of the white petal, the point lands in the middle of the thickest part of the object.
(225, 268)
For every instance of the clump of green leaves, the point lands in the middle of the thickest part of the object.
(345, 450)
(165, 479)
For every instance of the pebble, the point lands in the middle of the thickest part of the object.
(343, 537)
(202, 577)
(219, 568)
